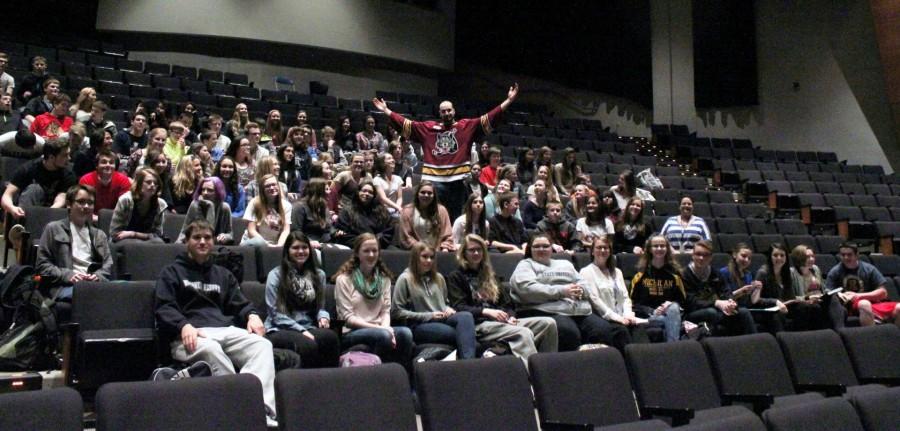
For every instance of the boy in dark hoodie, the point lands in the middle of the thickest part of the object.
(198, 304)
(561, 232)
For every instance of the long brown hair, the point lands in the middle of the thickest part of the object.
(285, 301)
(353, 262)
(314, 198)
(646, 259)
(415, 268)
(470, 219)
(487, 281)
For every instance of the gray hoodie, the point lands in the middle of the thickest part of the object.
(535, 286)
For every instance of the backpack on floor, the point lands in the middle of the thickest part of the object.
(29, 337)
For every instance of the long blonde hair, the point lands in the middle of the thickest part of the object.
(487, 281)
(261, 202)
(184, 181)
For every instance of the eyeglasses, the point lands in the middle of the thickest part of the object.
(85, 202)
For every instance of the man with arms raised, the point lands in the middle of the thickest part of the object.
(446, 146)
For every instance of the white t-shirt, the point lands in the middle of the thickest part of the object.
(81, 247)
(605, 228)
(270, 228)
(390, 189)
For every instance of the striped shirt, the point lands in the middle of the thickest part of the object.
(682, 238)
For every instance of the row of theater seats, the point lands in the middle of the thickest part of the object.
(818, 380)
(746, 227)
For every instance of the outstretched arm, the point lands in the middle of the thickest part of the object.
(511, 96)
(381, 105)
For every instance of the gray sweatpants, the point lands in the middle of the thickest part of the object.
(525, 338)
(230, 348)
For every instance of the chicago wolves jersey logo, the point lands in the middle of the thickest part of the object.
(446, 144)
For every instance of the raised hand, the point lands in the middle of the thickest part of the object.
(380, 105)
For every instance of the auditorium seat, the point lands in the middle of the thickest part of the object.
(791, 241)
(255, 292)
(823, 415)
(113, 335)
(833, 374)
(589, 388)
(145, 261)
(874, 352)
(58, 409)
(735, 362)
(486, 394)
(125, 64)
(724, 210)
(236, 78)
(691, 397)
(878, 411)
(204, 404)
(875, 213)
(369, 398)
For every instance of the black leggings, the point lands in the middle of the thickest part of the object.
(575, 330)
(318, 353)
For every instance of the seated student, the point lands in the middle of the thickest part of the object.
(133, 138)
(40, 104)
(707, 299)
(812, 309)
(864, 290)
(491, 201)
(569, 172)
(347, 183)
(507, 232)
(536, 206)
(576, 208)
(234, 192)
(266, 165)
(627, 188)
(542, 286)
(420, 301)
(200, 151)
(311, 214)
(657, 290)
(362, 294)
(96, 122)
(594, 223)
(739, 279)
(608, 295)
(41, 182)
(72, 249)
(474, 211)
(777, 288)
(209, 204)
(473, 184)
(426, 220)
(631, 228)
(489, 172)
(473, 288)
(198, 305)
(108, 183)
(176, 143)
(55, 123)
(562, 234)
(32, 83)
(138, 215)
(390, 185)
(184, 184)
(84, 160)
(685, 229)
(364, 215)
(295, 300)
(269, 215)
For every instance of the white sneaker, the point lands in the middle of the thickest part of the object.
(271, 422)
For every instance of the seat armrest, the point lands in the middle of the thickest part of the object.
(887, 380)
(829, 390)
(70, 335)
(562, 426)
(680, 416)
(760, 402)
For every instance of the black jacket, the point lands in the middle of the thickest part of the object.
(460, 293)
(204, 295)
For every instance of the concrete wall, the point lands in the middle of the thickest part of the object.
(381, 28)
(827, 47)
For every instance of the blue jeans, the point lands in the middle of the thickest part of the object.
(458, 330)
(670, 321)
(379, 339)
